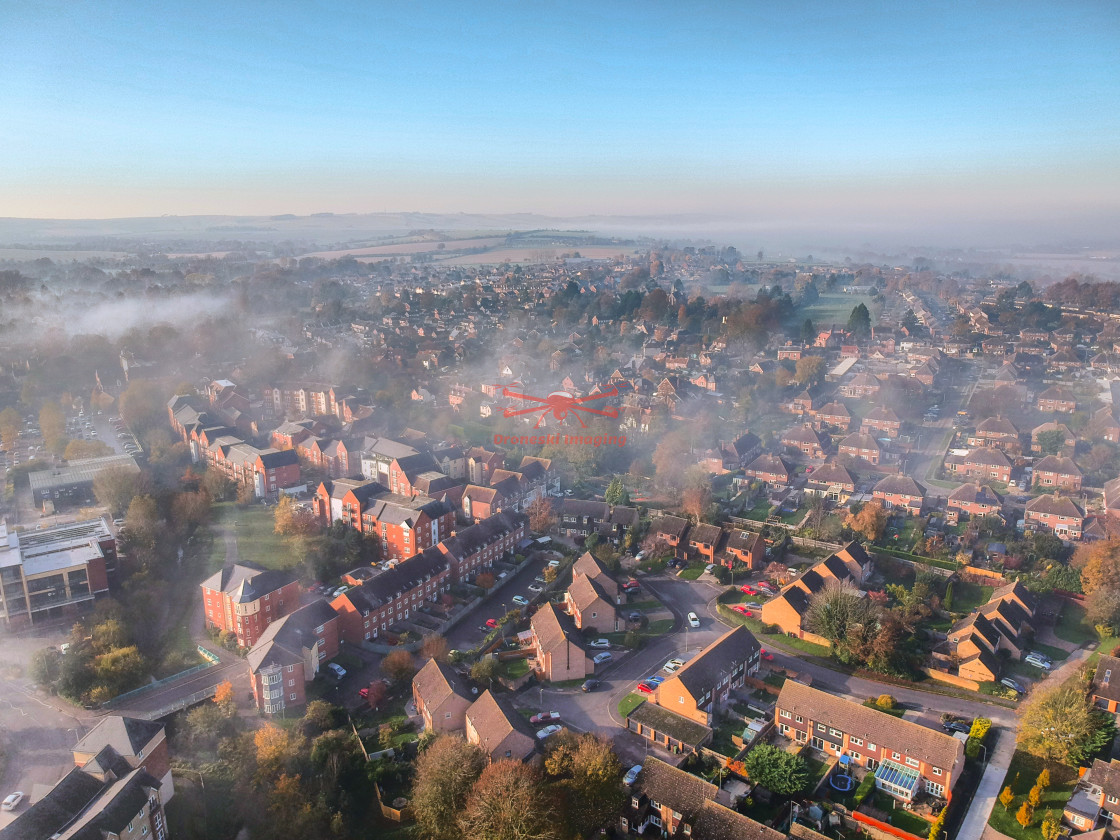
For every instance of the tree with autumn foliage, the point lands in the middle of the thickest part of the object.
(508, 802)
(869, 521)
(292, 520)
(1099, 564)
(435, 647)
(445, 774)
(398, 666)
(541, 515)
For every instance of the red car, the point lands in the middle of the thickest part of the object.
(645, 688)
(767, 655)
(492, 623)
(748, 589)
(739, 608)
(545, 717)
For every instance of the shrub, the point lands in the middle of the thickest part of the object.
(972, 748)
(980, 728)
(1043, 780)
(937, 829)
(1025, 814)
(865, 788)
(1006, 797)
(885, 701)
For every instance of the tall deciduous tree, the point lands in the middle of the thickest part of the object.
(776, 770)
(1059, 723)
(508, 802)
(869, 522)
(541, 516)
(445, 774)
(1099, 563)
(115, 488)
(810, 370)
(616, 493)
(398, 666)
(835, 610)
(10, 424)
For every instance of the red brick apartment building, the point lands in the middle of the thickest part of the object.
(392, 594)
(907, 758)
(477, 547)
(54, 572)
(244, 600)
(141, 743)
(289, 654)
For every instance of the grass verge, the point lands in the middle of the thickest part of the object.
(629, 703)
(1021, 775)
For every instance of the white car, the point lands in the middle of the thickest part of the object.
(601, 643)
(672, 665)
(337, 669)
(552, 564)
(600, 658)
(708, 568)
(536, 587)
(12, 800)
(632, 774)
(520, 600)
(693, 620)
(551, 729)
(1038, 662)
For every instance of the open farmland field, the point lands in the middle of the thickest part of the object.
(834, 308)
(404, 248)
(540, 254)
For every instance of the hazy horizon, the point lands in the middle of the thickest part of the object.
(813, 120)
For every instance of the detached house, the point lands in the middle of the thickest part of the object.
(441, 697)
(907, 758)
(747, 547)
(1095, 802)
(1055, 513)
(699, 689)
(499, 730)
(593, 596)
(558, 652)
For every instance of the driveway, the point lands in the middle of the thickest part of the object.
(467, 633)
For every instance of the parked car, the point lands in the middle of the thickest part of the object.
(632, 774)
(741, 608)
(747, 589)
(600, 643)
(549, 730)
(589, 685)
(754, 605)
(1037, 662)
(631, 586)
(693, 620)
(540, 579)
(645, 688)
(635, 616)
(545, 717)
(492, 623)
(520, 600)
(672, 665)
(1040, 655)
(656, 679)
(1014, 685)
(708, 568)
(337, 669)
(552, 564)
(766, 655)
(536, 587)
(956, 726)
(12, 800)
(600, 658)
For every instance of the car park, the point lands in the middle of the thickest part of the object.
(545, 717)
(600, 643)
(600, 658)
(632, 774)
(520, 600)
(12, 800)
(589, 685)
(693, 620)
(337, 669)
(549, 730)
(672, 665)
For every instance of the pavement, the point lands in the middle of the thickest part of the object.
(975, 823)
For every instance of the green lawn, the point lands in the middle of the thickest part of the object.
(779, 639)
(968, 596)
(1021, 776)
(759, 512)
(901, 818)
(1074, 627)
(817, 769)
(515, 668)
(836, 308)
(257, 542)
(629, 703)
(691, 573)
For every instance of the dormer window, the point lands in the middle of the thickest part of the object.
(1107, 677)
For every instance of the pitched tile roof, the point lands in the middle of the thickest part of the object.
(902, 485)
(670, 786)
(1055, 506)
(436, 682)
(1057, 464)
(736, 647)
(246, 583)
(500, 727)
(717, 822)
(124, 734)
(1110, 666)
(929, 745)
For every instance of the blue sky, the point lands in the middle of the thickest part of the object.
(797, 110)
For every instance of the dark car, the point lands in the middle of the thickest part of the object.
(590, 685)
(635, 616)
(956, 726)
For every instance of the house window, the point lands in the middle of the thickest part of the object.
(913, 762)
(291, 668)
(937, 771)
(634, 802)
(1112, 800)
(799, 719)
(291, 697)
(858, 742)
(784, 713)
(934, 788)
(836, 733)
(291, 683)
(1107, 677)
(895, 756)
